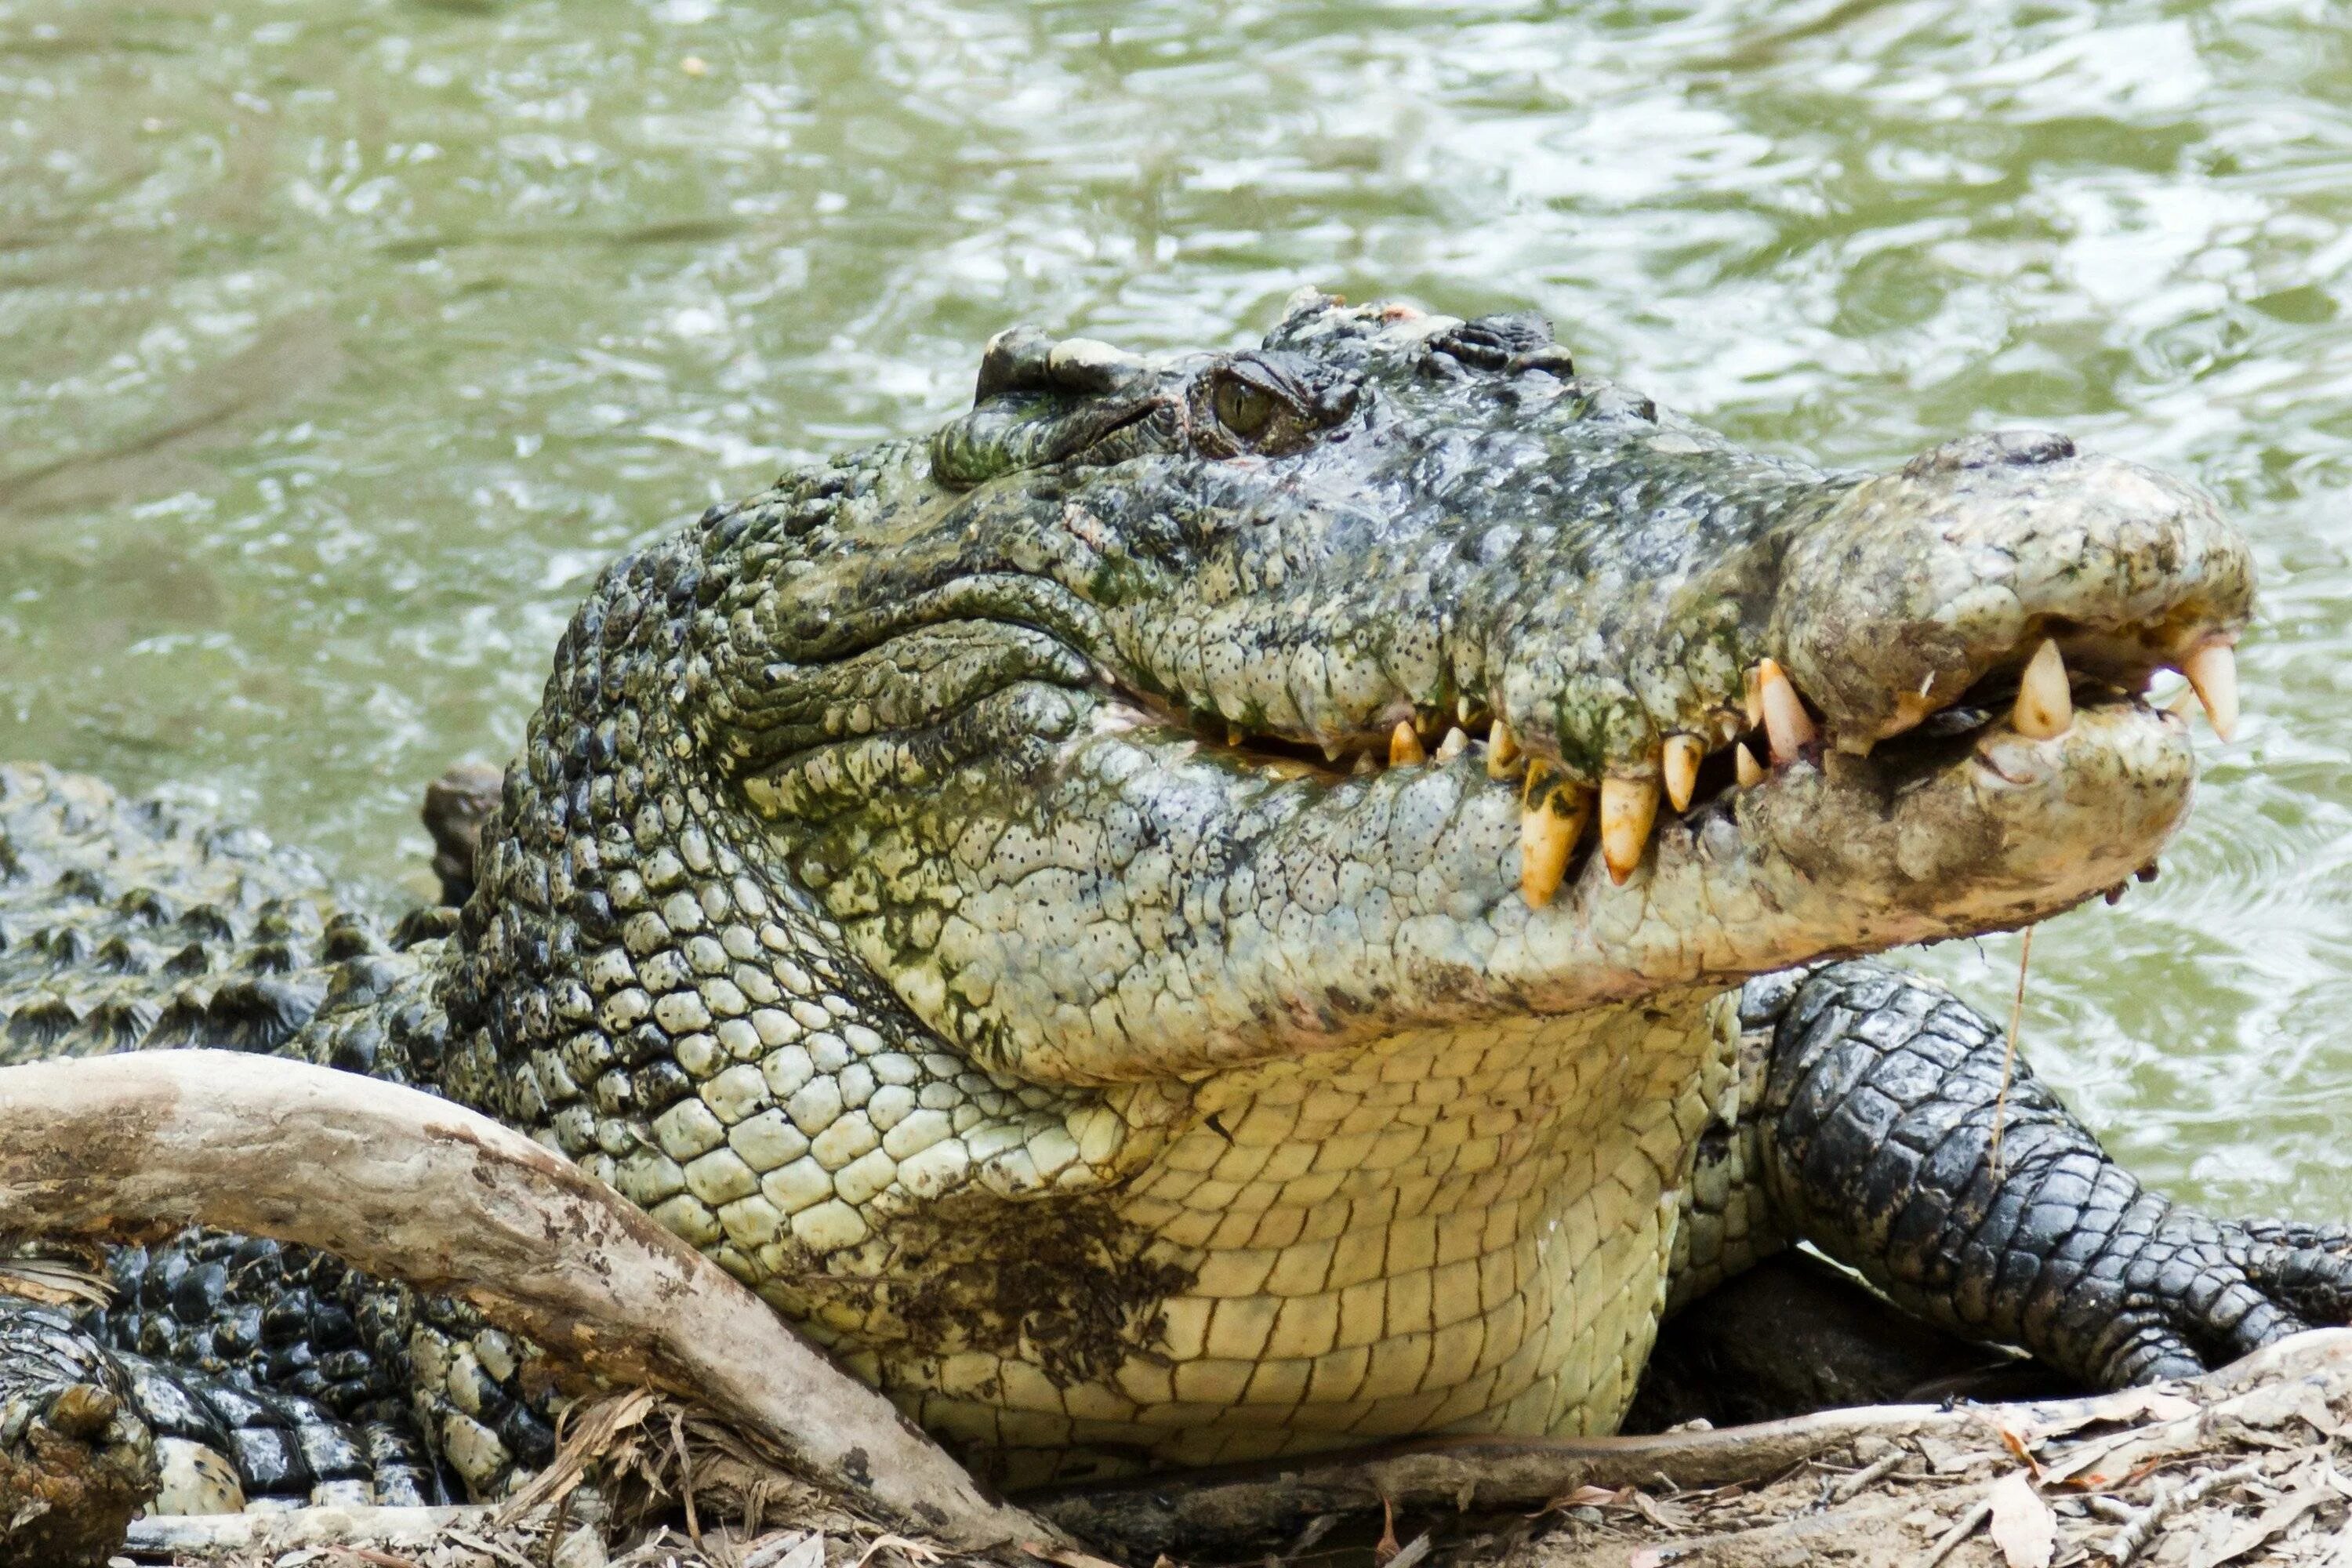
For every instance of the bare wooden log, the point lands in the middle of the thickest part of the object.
(407, 1187)
(1238, 1507)
(217, 1535)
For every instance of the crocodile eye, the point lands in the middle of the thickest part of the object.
(1244, 409)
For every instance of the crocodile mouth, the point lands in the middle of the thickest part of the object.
(2030, 695)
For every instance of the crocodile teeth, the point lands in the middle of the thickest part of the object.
(1753, 696)
(1404, 746)
(1457, 742)
(2213, 670)
(1750, 771)
(1366, 765)
(1680, 767)
(1628, 807)
(1464, 709)
(2045, 707)
(1785, 722)
(1502, 752)
(1548, 832)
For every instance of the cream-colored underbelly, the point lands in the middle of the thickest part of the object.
(1445, 1230)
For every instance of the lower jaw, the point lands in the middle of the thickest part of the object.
(2008, 831)
(1850, 855)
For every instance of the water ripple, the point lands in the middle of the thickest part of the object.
(337, 344)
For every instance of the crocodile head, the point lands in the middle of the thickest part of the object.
(1157, 716)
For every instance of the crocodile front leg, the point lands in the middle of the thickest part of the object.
(1873, 1133)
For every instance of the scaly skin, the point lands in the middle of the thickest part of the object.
(959, 890)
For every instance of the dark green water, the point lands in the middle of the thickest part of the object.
(342, 342)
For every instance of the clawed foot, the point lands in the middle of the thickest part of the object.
(76, 1461)
(2197, 1293)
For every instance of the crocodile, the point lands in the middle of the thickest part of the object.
(1232, 903)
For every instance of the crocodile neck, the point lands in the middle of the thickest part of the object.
(1443, 1227)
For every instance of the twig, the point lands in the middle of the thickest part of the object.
(2008, 1055)
(1950, 1541)
(2133, 1538)
(199, 1534)
(1226, 1509)
(1845, 1488)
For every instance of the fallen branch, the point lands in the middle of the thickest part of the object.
(2141, 1528)
(1962, 1528)
(1238, 1507)
(217, 1534)
(407, 1187)
(1846, 1489)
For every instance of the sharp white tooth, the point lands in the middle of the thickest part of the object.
(1457, 742)
(1404, 746)
(2045, 707)
(1785, 722)
(2213, 671)
(1549, 830)
(1680, 765)
(1751, 772)
(1628, 807)
(1502, 752)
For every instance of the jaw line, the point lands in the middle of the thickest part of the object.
(1818, 862)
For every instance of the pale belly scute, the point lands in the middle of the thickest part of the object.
(1443, 1231)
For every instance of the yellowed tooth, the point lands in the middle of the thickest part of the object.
(2045, 707)
(1232, 736)
(1549, 830)
(1680, 765)
(1750, 771)
(1502, 752)
(1404, 746)
(1786, 723)
(2213, 670)
(1366, 764)
(1457, 742)
(1464, 710)
(1628, 807)
(1753, 685)
(1333, 751)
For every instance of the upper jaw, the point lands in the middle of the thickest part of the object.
(1922, 593)
(1921, 582)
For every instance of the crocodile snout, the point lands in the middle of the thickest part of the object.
(1928, 584)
